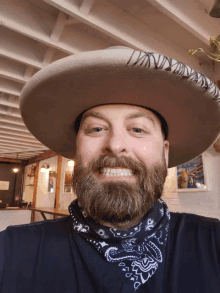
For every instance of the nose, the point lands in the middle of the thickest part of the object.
(115, 145)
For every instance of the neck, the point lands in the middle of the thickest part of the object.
(122, 226)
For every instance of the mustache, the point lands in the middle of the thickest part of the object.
(105, 161)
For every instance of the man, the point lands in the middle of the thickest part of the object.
(124, 117)
(122, 158)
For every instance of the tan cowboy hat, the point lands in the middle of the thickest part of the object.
(189, 102)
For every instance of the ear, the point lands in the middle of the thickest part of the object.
(166, 151)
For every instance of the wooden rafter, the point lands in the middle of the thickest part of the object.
(2, 159)
(28, 72)
(86, 6)
(45, 155)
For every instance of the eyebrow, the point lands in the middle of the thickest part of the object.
(130, 116)
(141, 114)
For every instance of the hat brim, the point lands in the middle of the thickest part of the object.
(51, 101)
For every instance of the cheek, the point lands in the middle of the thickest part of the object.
(87, 149)
(149, 152)
(150, 148)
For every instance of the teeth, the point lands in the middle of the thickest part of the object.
(116, 172)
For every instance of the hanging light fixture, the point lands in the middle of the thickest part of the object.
(15, 169)
(71, 163)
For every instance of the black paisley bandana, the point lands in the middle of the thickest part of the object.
(139, 250)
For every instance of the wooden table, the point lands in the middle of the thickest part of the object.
(42, 211)
(51, 211)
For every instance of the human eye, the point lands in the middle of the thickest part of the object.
(95, 130)
(137, 130)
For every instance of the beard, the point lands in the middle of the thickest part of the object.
(118, 202)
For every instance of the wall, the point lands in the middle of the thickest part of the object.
(28, 188)
(44, 198)
(65, 198)
(16, 217)
(6, 174)
(205, 203)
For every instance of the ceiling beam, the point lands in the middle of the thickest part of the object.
(28, 155)
(182, 16)
(6, 103)
(31, 24)
(2, 148)
(86, 6)
(128, 30)
(3, 125)
(14, 145)
(28, 73)
(20, 156)
(61, 47)
(19, 58)
(54, 37)
(29, 140)
(11, 160)
(23, 158)
(12, 70)
(58, 27)
(71, 20)
(26, 150)
(19, 47)
(46, 155)
(30, 27)
(11, 76)
(11, 120)
(7, 90)
(11, 100)
(15, 133)
(10, 114)
(11, 84)
(17, 143)
(48, 56)
(10, 111)
(24, 155)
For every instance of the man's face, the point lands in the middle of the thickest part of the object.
(121, 163)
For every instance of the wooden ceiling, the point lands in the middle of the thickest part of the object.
(35, 33)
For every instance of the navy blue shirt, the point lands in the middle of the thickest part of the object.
(50, 256)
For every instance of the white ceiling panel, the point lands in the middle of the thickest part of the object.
(15, 44)
(10, 86)
(26, 18)
(13, 70)
(15, 128)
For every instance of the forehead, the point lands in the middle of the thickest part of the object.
(121, 110)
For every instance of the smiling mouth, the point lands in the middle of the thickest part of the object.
(116, 172)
